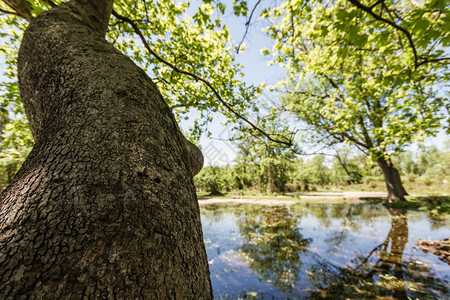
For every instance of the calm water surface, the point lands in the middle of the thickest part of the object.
(323, 250)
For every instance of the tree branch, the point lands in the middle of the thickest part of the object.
(247, 25)
(334, 84)
(391, 23)
(443, 59)
(7, 12)
(380, 246)
(393, 20)
(359, 144)
(51, 3)
(288, 143)
(376, 3)
(21, 8)
(365, 133)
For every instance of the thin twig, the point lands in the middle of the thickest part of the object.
(247, 25)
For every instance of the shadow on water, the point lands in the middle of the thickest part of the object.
(322, 251)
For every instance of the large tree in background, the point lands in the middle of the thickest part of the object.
(366, 72)
(104, 206)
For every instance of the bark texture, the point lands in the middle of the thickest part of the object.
(396, 191)
(104, 206)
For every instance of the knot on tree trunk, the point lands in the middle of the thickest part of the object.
(196, 159)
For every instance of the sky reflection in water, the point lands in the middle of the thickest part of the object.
(322, 250)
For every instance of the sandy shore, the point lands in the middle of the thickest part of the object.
(315, 197)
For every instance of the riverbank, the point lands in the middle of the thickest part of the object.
(317, 197)
(434, 204)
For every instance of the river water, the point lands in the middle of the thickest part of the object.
(341, 251)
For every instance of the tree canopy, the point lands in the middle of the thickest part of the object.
(384, 60)
(184, 47)
(371, 73)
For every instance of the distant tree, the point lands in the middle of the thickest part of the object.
(210, 179)
(407, 163)
(268, 159)
(348, 165)
(428, 164)
(316, 171)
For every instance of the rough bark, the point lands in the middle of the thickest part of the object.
(104, 206)
(396, 191)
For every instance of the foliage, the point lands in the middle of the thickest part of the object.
(194, 39)
(15, 144)
(426, 166)
(190, 37)
(15, 139)
(355, 77)
(261, 164)
(210, 181)
(379, 92)
(268, 160)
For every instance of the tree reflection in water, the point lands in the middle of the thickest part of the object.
(273, 246)
(388, 256)
(275, 249)
(380, 273)
(385, 272)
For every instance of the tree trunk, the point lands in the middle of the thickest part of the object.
(271, 179)
(396, 191)
(105, 205)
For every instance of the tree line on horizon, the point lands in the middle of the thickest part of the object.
(262, 174)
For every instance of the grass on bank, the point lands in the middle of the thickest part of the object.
(434, 200)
